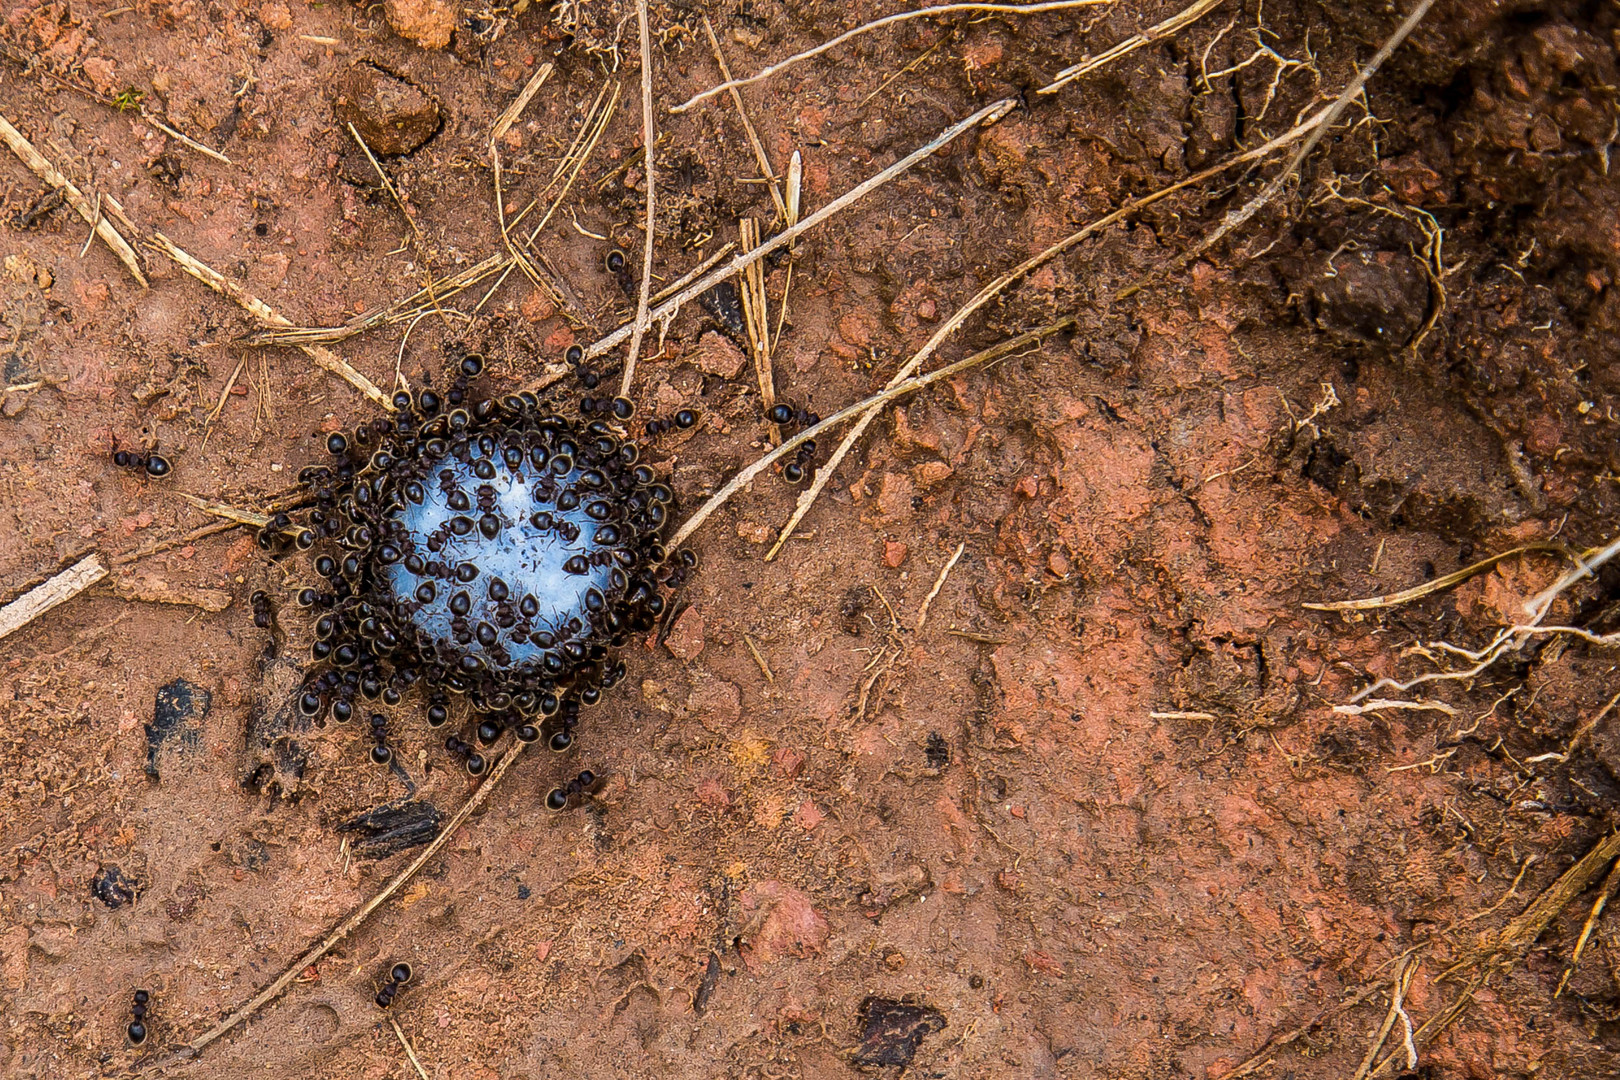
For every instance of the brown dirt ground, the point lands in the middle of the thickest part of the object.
(1003, 832)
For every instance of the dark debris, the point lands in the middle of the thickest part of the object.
(891, 1031)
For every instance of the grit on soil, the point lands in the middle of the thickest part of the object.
(1097, 817)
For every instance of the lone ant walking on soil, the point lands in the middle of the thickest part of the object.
(398, 976)
(137, 1026)
(155, 465)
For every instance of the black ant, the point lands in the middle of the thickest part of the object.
(779, 414)
(264, 615)
(398, 976)
(461, 748)
(557, 798)
(683, 419)
(619, 267)
(155, 465)
(137, 1027)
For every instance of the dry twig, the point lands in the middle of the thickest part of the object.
(514, 111)
(743, 478)
(989, 114)
(1157, 32)
(647, 148)
(226, 511)
(764, 668)
(693, 274)
(824, 474)
(922, 613)
(922, 13)
(1350, 93)
(388, 184)
(760, 157)
(352, 920)
(150, 589)
(185, 140)
(57, 590)
(1439, 584)
(48, 173)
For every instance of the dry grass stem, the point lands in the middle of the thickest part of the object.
(57, 590)
(1380, 704)
(1238, 218)
(922, 613)
(1439, 584)
(692, 275)
(186, 140)
(1403, 978)
(877, 24)
(415, 1064)
(989, 114)
(1587, 564)
(510, 115)
(756, 319)
(323, 358)
(982, 639)
(1603, 897)
(1182, 715)
(1404, 970)
(596, 123)
(1513, 890)
(388, 184)
(502, 125)
(795, 187)
(760, 157)
(1429, 1031)
(47, 172)
(824, 474)
(224, 510)
(352, 920)
(644, 298)
(764, 668)
(1505, 948)
(743, 478)
(219, 406)
(1581, 733)
(1157, 32)
(157, 546)
(403, 310)
(886, 83)
(1520, 933)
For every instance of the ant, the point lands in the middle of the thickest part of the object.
(619, 266)
(780, 414)
(398, 976)
(137, 1027)
(557, 798)
(155, 465)
(683, 419)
